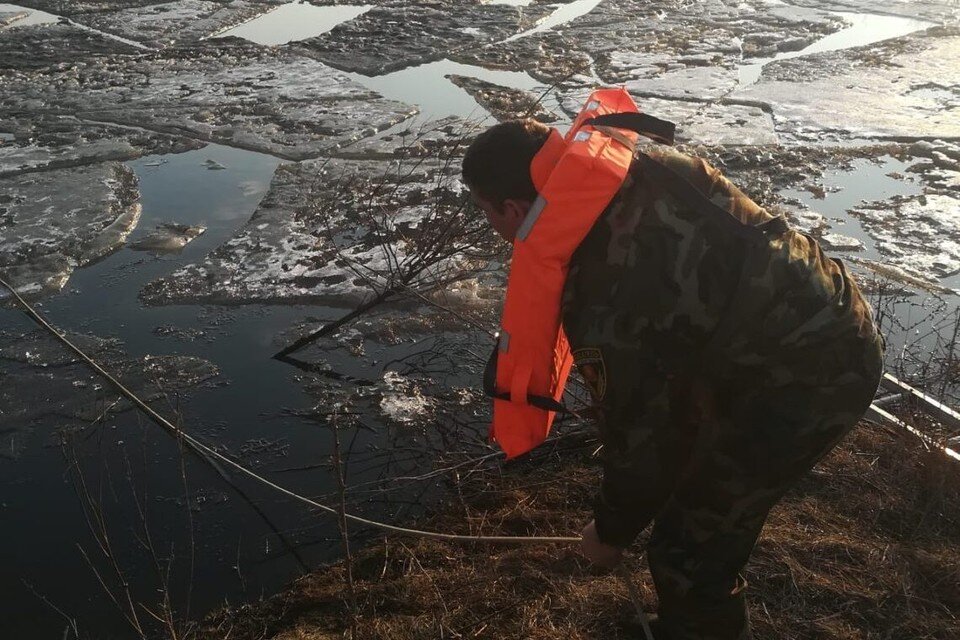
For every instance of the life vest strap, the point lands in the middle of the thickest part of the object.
(646, 125)
(546, 403)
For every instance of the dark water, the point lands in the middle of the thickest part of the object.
(37, 498)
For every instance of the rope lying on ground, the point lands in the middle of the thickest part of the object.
(637, 601)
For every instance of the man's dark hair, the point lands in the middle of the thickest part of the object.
(497, 163)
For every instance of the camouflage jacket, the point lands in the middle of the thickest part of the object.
(679, 288)
(695, 283)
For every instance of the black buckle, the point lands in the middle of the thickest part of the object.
(490, 386)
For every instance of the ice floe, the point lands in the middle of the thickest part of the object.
(305, 245)
(239, 94)
(875, 91)
(52, 222)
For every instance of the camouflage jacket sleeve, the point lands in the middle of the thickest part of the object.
(646, 288)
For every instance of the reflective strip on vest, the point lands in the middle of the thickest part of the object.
(532, 215)
(576, 177)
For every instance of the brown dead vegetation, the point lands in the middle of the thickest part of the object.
(868, 546)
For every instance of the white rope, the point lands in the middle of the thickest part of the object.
(637, 601)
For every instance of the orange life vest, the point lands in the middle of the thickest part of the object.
(576, 177)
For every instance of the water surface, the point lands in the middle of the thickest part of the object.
(864, 29)
(294, 21)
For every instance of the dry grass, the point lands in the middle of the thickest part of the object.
(867, 547)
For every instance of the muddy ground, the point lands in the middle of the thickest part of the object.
(189, 201)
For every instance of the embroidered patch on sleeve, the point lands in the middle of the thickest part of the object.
(591, 366)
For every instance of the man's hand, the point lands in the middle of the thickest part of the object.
(602, 555)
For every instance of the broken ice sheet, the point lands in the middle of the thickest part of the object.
(881, 90)
(658, 48)
(78, 7)
(417, 138)
(701, 123)
(33, 47)
(504, 103)
(53, 222)
(688, 82)
(164, 24)
(16, 159)
(41, 141)
(934, 10)
(228, 91)
(549, 57)
(394, 36)
(328, 232)
(920, 234)
(840, 242)
(294, 21)
(666, 47)
(858, 30)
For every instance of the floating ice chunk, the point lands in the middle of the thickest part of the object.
(168, 238)
(164, 24)
(17, 159)
(402, 400)
(55, 221)
(806, 221)
(919, 234)
(839, 242)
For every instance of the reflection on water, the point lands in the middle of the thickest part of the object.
(866, 181)
(427, 87)
(864, 29)
(561, 15)
(294, 21)
(33, 16)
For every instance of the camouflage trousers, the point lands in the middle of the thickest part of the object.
(709, 471)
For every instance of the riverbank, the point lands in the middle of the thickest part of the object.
(864, 547)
